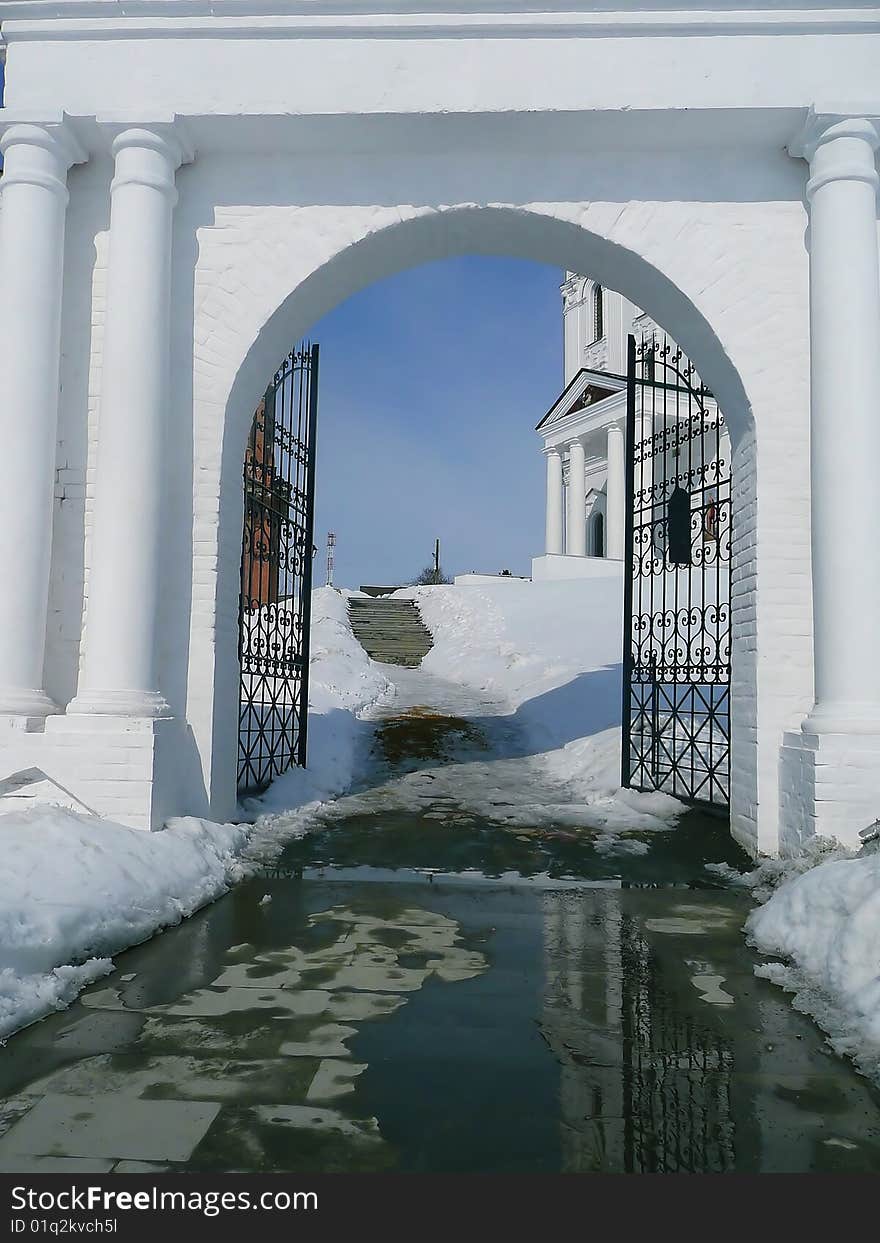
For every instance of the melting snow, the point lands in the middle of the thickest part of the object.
(76, 889)
(825, 923)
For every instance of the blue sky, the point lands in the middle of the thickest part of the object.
(431, 384)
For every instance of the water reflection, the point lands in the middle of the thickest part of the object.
(674, 1059)
(644, 1086)
(365, 1020)
(245, 1064)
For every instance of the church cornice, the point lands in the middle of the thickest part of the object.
(47, 19)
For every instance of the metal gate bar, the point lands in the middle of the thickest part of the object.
(676, 658)
(276, 574)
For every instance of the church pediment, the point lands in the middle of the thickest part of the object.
(585, 389)
(591, 394)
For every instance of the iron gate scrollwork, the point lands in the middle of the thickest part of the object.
(276, 574)
(676, 662)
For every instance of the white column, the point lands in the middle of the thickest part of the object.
(844, 422)
(119, 671)
(34, 188)
(555, 513)
(577, 507)
(615, 530)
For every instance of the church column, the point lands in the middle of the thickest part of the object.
(577, 507)
(616, 495)
(119, 672)
(829, 768)
(844, 421)
(555, 513)
(34, 188)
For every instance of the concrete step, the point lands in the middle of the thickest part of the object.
(390, 631)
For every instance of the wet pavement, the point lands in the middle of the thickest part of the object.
(426, 988)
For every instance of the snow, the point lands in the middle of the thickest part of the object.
(823, 919)
(343, 684)
(76, 889)
(552, 651)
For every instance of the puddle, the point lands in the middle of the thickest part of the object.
(423, 734)
(397, 1022)
(709, 988)
(689, 921)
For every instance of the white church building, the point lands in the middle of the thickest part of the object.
(583, 433)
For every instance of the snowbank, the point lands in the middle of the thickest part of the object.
(553, 651)
(825, 922)
(343, 683)
(75, 889)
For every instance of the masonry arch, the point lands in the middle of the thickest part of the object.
(536, 234)
(366, 251)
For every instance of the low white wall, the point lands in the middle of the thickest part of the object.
(558, 565)
(462, 580)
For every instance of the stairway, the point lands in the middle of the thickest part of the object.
(391, 631)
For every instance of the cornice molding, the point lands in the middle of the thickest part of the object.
(71, 19)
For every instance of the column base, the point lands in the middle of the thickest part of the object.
(119, 703)
(843, 718)
(136, 772)
(18, 701)
(829, 784)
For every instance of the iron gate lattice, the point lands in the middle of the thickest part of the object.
(274, 616)
(676, 660)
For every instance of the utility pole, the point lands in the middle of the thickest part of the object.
(331, 545)
(436, 561)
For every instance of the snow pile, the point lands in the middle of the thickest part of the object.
(825, 922)
(343, 684)
(75, 889)
(771, 874)
(553, 651)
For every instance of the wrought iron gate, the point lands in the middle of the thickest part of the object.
(276, 574)
(676, 660)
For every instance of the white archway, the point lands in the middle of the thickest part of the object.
(538, 234)
(599, 142)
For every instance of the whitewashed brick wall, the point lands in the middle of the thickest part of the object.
(726, 278)
(740, 266)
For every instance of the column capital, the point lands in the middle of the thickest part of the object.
(839, 146)
(575, 442)
(549, 450)
(167, 135)
(39, 151)
(135, 145)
